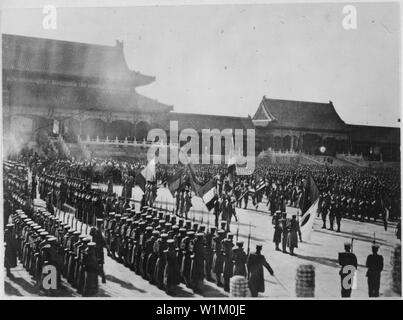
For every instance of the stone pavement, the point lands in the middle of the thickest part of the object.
(321, 251)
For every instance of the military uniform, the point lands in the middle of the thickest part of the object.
(374, 264)
(256, 262)
(346, 258)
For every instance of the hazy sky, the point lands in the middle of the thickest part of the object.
(223, 59)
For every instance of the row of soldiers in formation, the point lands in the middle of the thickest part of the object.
(149, 243)
(153, 244)
(335, 207)
(41, 241)
(168, 251)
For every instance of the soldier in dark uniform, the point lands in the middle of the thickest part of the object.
(100, 243)
(374, 264)
(209, 253)
(292, 240)
(91, 270)
(218, 259)
(227, 245)
(276, 221)
(159, 247)
(239, 259)
(10, 253)
(284, 229)
(324, 209)
(171, 270)
(151, 255)
(346, 258)
(256, 262)
(187, 249)
(216, 209)
(338, 215)
(332, 214)
(197, 269)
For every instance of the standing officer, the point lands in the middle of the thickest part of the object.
(324, 208)
(346, 258)
(375, 266)
(209, 253)
(239, 259)
(100, 243)
(276, 221)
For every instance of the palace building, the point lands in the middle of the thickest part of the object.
(87, 92)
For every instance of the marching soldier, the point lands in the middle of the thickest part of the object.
(256, 262)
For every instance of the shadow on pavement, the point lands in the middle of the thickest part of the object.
(181, 292)
(349, 235)
(9, 290)
(330, 262)
(27, 286)
(208, 290)
(102, 294)
(124, 284)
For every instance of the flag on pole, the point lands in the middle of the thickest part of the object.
(194, 181)
(308, 217)
(310, 195)
(306, 221)
(149, 171)
(207, 193)
(231, 166)
(140, 181)
(260, 185)
(147, 174)
(175, 181)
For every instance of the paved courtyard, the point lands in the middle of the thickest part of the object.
(321, 251)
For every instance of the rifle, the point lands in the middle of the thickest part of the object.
(249, 239)
(352, 241)
(86, 225)
(374, 239)
(202, 217)
(208, 222)
(237, 231)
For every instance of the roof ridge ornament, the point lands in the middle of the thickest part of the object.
(119, 44)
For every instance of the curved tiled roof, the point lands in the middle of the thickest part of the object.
(69, 59)
(203, 121)
(375, 134)
(299, 115)
(72, 97)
